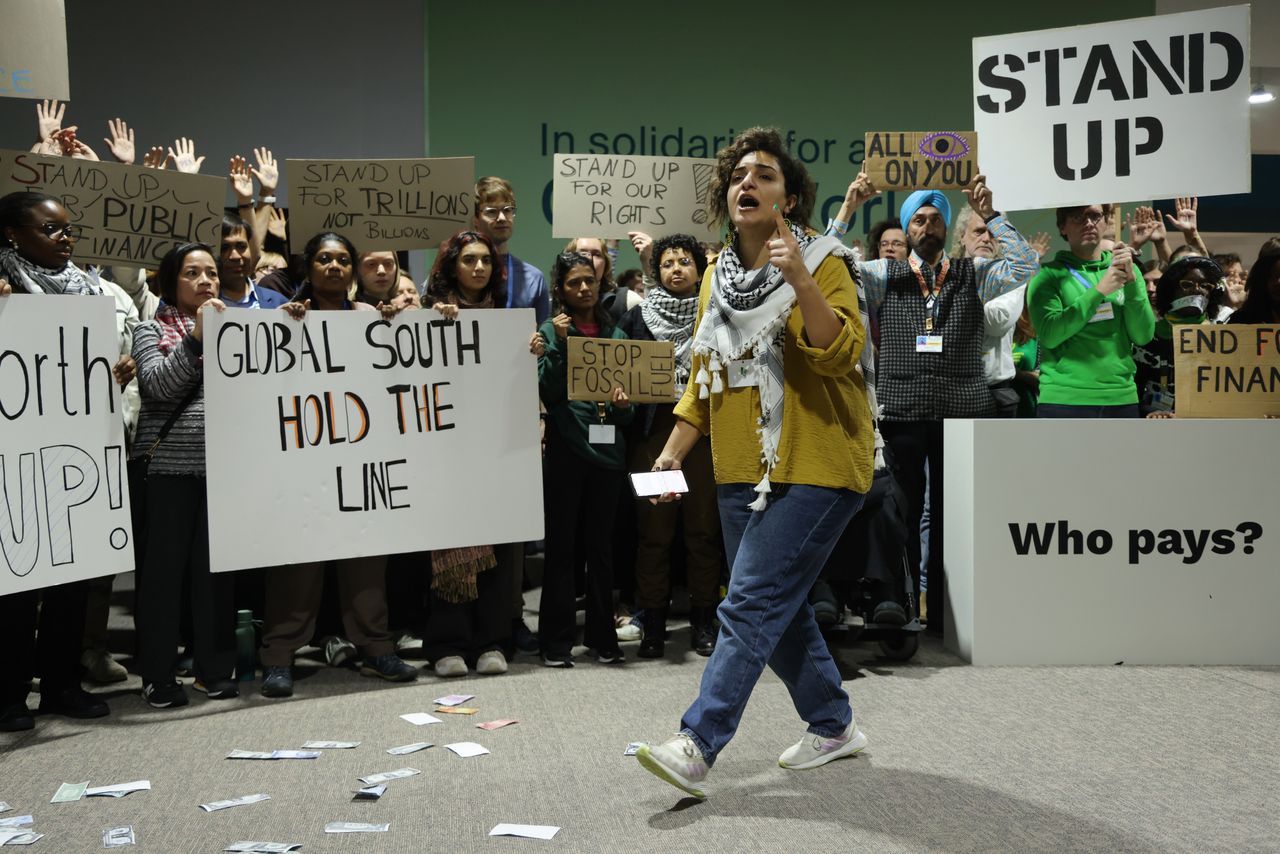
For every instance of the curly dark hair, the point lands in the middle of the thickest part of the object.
(876, 233)
(1168, 283)
(795, 177)
(688, 243)
(171, 265)
(564, 263)
(442, 283)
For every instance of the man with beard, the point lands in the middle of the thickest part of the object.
(235, 266)
(931, 323)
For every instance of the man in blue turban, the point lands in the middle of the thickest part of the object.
(926, 216)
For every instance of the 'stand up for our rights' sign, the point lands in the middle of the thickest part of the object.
(130, 214)
(383, 204)
(64, 501)
(1117, 110)
(645, 370)
(608, 195)
(370, 436)
(1227, 371)
(933, 160)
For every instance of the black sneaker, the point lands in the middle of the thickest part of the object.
(526, 641)
(555, 659)
(16, 718)
(613, 656)
(277, 682)
(164, 695)
(390, 667)
(74, 702)
(218, 689)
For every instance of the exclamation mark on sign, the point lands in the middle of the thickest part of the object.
(702, 173)
(112, 456)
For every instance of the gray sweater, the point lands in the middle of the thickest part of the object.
(165, 382)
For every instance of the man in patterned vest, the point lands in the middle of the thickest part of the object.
(931, 321)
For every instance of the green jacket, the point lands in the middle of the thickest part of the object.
(571, 418)
(1087, 362)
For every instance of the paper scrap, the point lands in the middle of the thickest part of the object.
(250, 754)
(330, 745)
(21, 838)
(527, 831)
(263, 847)
(453, 699)
(498, 724)
(234, 802)
(467, 749)
(119, 837)
(633, 747)
(69, 792)
(370, 793)
(420, 718)
(355, 827)
(295, 754)
(4, 807)
(17, 821)
(409, 748)
(388, 776)
(456, 710)
(119, 789)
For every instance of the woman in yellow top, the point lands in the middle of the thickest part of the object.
(777, 386)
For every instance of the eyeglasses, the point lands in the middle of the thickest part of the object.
(672, 263)
(893, 244)
(53, 231)
(1081, 217)
(1189, 285)
(493, 213)
(590, 253)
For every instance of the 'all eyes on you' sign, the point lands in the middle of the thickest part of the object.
(1121, 111)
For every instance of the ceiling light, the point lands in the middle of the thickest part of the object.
(1260, 95)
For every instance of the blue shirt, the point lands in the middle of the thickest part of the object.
(527, 288)
(254, 298)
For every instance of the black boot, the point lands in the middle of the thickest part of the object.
(702, 625)
(655, 632)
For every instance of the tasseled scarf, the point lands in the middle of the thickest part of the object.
(454, 571)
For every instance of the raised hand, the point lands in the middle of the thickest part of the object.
(121, 142)
(643, 244)
(860, 190)
(183, 154)
(267, 174)
(1041, 243)
(277, 224)
(1185, 221)
(155, 158)
(784, 251)
(49, 118)
(979, 195)
(241, 180)
(1144, 226)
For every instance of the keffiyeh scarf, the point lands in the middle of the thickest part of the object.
(34, 279)
(747, 314)
(174, 326)
(670, 318)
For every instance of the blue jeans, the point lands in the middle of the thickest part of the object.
(1067, 410)
(774, 557)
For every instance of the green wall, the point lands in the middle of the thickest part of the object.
(503, 79)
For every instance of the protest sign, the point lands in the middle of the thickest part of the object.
(608, 195)
(363, 436)
(64, 499)
(1115, 111)
(130, 214)
(645, 370)
(382, 204)
(1226, 371)
(931, 160)
(33, 50)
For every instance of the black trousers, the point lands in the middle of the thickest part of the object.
(471, 628)
(581, 501)
(916, 444)
(177, 551)
(41, 632)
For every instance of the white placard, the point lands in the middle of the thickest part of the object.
(349, 435)
(1134, 541)
(1116, 111)
(608, 195)
(64, 496)
(33, 50)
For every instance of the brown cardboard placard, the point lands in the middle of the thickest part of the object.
(33, 50)
(1226, 371)
(921, 160)
(645, 370)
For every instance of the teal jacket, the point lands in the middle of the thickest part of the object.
(571, 418)
(1087, 361)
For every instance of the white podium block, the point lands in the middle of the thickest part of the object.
(1099, 542)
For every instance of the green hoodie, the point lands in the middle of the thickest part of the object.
(1087, 363)
(571, 418)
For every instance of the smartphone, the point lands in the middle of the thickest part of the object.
(649, 484)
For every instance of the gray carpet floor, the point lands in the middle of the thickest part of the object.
(1106, 759)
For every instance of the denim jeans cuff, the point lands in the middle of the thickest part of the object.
(702, 746)
(821, 732)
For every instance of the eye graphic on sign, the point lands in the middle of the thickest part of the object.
(943, 145)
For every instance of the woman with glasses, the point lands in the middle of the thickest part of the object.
(35, 258)
(677, 264)
(1189, 292)
(585, 465)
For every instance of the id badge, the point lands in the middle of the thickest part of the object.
(742, 374)
(1106, 311)
(928, 343)
(600, 434)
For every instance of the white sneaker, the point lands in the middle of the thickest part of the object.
(678, 761)
(451, 665)
(408, 642)
(814, 750)
(338, 651)
(629, 632)
(491, 663)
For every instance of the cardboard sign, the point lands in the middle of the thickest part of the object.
(1226, 371)
(929, 160)
(350, 435)
(33, 50)
(608, 195)
(1115, 111)
(645, 370)
(382, 204)
(64, 499)
(130, 214)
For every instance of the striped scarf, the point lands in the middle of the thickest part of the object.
(670, 318)
(34, 279)
(174, 326)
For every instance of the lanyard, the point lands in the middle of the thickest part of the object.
(931, 302)
(1087, 284)
(511, 291)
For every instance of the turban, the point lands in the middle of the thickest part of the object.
(925, 198)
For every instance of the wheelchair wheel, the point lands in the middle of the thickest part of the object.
(900, 648)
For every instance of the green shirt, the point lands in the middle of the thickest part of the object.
(571, 418)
